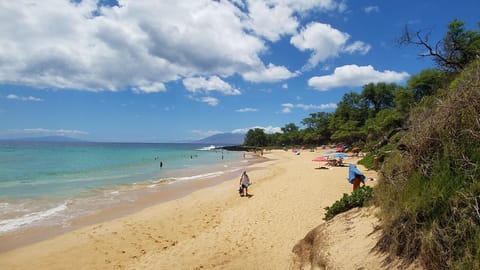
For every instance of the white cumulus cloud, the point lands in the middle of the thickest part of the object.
(45, 132)
(247, 110)
(271, 73)
(288, 107)
(212, 83)
(371, 9)
(149, 87)
(210, 101)
(264, 19)
(325, 42)
(65, 44)
(268, 130)
(354, 76)
(29, 98)
(264, 16)
(144, 45)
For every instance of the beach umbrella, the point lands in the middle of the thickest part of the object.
(328, 153)
(340, 155)
(353, 171)
(320, 159)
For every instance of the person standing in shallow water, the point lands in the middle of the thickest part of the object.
(244, 183)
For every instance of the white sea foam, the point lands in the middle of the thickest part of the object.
(200, 176)
(207, 148)
(4, 205)
(15, 223)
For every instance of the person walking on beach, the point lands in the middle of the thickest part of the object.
(244, 183)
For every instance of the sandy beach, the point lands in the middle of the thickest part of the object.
(215, 228)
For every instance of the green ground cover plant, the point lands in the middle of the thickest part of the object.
(357, 198)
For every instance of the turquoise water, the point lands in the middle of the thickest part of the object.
(42, 183)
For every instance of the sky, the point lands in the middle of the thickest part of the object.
(178, 70)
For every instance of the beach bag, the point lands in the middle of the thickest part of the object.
(240, 189)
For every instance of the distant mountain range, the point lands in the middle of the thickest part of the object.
(224, 139)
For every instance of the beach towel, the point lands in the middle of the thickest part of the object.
(353, 172)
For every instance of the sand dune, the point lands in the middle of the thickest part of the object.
(215, 228)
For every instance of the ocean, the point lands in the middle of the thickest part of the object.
(52, 183)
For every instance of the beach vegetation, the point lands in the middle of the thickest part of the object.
(367, 161)
(358, 198)
(430, 190)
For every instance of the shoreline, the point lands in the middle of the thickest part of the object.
(144, 198)
(212, 227)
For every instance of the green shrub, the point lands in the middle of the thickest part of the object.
(357, 198)
(367, 161)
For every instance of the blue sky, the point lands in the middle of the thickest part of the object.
(176, 70)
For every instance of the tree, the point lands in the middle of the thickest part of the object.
(454, 52)
(428, 81)
(317, 130)
(289, 128)
(351, 107)
(349, 132)
(379, 96)
(291, 134)
(358, 115)
(347, 121)
(385, 121)
(404, 100)
(275, 139)
(256, 137)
